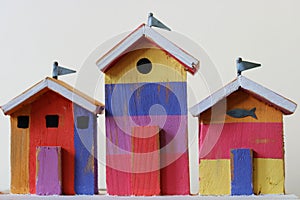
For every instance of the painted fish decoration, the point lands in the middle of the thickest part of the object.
(241, 113)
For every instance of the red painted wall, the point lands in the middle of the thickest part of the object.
(52, 103)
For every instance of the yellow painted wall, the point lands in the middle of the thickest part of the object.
(242, 100)
(19, 155)
(215, 178)
(268, 176)
(164, 68)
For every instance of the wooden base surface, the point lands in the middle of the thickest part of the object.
(176, 197)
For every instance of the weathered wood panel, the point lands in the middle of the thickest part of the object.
(220, 132)
(48, 171)
(85, 142)
(52, 103)
(241, 162)
(214, 177)
(19, 154)
(264, 138)
(164, 68)
(138, 99)
(175, 174)
(145, 161)
(118, 174)
(172, 126)
(242, 100)
(268, 176)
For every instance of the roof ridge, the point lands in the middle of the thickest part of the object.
(191, 63)
(62, 88)
(285, 105)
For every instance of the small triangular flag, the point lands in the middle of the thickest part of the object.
(152, 21)
(59, 71)
(244, 65)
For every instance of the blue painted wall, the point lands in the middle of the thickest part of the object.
(85, 142)
(137, 99)
(242, 172)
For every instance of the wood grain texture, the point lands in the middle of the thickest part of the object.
(265, 139)
(19, 154)
(242, 100)
(137, 99)
(242, 83)
(268, 176)
(85, 143)
(214, 177)
(175, 176)
(173, 135)
(59, 87)
(241, 162)
(48, 171)
(52, 103)
(140, 35)
(118, 174)
(145, 179)
(164, 68)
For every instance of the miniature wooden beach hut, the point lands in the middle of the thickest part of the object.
(53, 140)
(146, 115)
(241, 139)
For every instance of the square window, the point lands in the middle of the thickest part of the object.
(52, 121)
(23, 122)
(83, 122)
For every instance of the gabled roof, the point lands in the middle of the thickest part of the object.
(56, 86)
(284, 105)
(191, 64)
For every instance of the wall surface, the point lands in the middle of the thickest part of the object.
(51, 103)
(263, 135)
(156, 98)
(85, 144)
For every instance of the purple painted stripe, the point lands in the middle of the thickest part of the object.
(48, 174)
(173, 135)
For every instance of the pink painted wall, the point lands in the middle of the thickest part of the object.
(265, 139)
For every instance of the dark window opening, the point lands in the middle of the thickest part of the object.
(23, 121)
(52, 121)
(83, 122)
(144, 65)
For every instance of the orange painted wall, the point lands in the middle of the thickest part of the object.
(244, 100)
(19, 154)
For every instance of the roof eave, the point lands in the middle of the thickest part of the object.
(285, 105)
(94, 107)
(190, 63)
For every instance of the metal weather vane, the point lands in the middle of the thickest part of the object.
(244, 65)
(59, 71)
(152, 21)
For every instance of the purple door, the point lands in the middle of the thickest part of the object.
(48, 170)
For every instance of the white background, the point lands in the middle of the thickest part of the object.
(34, 33)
